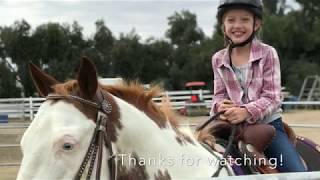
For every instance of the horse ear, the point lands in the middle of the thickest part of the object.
(42, 81)
(87, 78)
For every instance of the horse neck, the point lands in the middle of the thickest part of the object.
(142, 138)
(139, 130)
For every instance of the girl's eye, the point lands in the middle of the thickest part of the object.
(67, 146)
(245, 19)
(230, 20)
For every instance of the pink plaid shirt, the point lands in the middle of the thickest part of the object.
(263, 81)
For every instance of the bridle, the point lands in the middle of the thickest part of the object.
(100, 135)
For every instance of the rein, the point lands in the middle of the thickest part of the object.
(100, 134)
(230, 141)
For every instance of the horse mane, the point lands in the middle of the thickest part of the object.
(133, 93)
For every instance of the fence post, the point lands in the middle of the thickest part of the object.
(23, 109)
(201, 94)
(31, 108)
(167, 95)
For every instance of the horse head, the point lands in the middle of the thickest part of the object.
(114, 132)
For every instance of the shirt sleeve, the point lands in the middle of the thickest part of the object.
(219, 88)
(270, 97)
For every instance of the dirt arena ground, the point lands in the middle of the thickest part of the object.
(13, 136)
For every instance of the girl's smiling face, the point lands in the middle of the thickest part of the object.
(238, 25)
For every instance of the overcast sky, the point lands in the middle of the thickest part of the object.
(148, 17)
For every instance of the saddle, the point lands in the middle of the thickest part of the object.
(252, 140)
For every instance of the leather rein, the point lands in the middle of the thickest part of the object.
(230, 141)
(100, 135)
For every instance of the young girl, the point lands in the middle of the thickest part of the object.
(247, 82)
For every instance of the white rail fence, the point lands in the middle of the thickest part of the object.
(25, 108)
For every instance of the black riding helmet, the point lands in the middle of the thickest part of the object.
(253, 6)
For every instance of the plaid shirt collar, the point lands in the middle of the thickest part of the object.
(255, 54)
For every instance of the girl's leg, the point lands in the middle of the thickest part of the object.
(281, 146)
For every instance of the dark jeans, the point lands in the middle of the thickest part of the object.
(281, 146)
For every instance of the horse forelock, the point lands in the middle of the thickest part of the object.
(67, 88)
(71, 87)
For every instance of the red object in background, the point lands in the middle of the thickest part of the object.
(195, 88)
(194, 98)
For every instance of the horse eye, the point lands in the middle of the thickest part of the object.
(67, 146)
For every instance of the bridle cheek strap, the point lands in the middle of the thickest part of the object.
(104, 137)
(100, 134)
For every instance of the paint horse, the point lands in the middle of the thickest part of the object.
(107, 132)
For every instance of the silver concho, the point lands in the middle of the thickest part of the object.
(106, 106)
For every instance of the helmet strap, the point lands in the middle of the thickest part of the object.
(233, 45)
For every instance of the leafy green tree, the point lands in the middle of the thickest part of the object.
(310, 12)
(102, 42)
(103, 38)
(128, 57)
(183, 29)
(270, 6)
(76, 36)
(157, 61)
(294, 35)
(297, 72)
(56, 52)
(276, 7)
(18, 46)
(186, 37)
(8, 88)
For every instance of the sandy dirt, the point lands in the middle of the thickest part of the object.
(9, 173)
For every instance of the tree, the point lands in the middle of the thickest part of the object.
(8, 81)
(100, 47)
(185, 36)
(76, 36)
(183, 29)
(18, 46)
(295, 36)
(127, 55)
(297, 72)
(103, 38)
(310, 12)
(157, 61)
(56, 52)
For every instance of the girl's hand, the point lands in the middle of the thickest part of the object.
(236, 115)
(225, 105)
